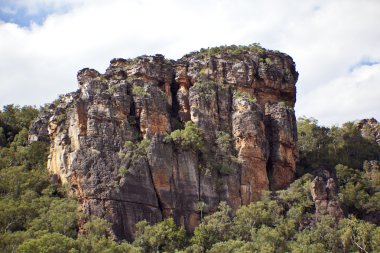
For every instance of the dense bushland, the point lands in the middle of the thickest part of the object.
(37, 215)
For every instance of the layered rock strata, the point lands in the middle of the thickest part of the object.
(110, 139)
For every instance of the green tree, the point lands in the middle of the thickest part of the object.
(214, 228)
(248, 218)
(313, 143)
(356, 234)
(320, 238)
(61, 217)
(164, 236)
(14, 118)
(96, 239)
(230, 246)
(48, 243)
(190, 137)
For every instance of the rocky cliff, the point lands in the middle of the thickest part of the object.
(114, 141)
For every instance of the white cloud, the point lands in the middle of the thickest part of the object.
(325, 38)
(350, 97)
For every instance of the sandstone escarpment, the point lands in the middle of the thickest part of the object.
(110, 140)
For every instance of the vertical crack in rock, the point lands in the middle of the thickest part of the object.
(156, 192)
(242, 99)
(175, 104)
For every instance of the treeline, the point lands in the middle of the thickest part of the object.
(36, 215)
(349, 145)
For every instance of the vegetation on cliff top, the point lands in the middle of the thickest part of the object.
(36, 215)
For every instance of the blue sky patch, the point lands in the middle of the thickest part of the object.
(364, 62)
(22, 18)
(11, 12)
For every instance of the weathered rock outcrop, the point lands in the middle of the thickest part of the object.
(370, 128)
(109, 140)
(324, 191)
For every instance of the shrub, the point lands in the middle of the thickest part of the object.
(190, 137)
(129, 145)
(123, 170)
(142, 147)
(139, 91)
(203, 72)
(264, 212)
(214, 228)
(60, 118)
(223, 140)
(244, 94)
(268, 61)
(225, 169)
(205, 87)
(161, 237)
(49, 243)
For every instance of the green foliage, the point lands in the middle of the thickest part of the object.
(112, 88)
(204, 72)
(268, 61)
(248, 218)
(214, 228)
(36, 214)
(245, 95)
(312, 143)
(322, 146)
(97, 227)
(190, 137)
(3, 139)
(224, 169)
(129, 145)
(123, 171)
(267, 239)
(48, 243)
(31, 208)
(139, 91)
(165, 236)
(298, 193)
(13, 119)
(141, 149)
(96, 239)
(232, 49)
(322, 238)
(356, 234)
(375, 239)
(223, 140)
(61, 118)
(359, 190)
(60, 216)
(205, 87)
(133, 151)
(230, 246)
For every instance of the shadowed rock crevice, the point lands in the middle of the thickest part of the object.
(110, 141)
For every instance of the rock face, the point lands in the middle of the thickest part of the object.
(109, 140)
(370, 128)
(324, 191)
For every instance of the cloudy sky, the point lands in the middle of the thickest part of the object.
(335, 44)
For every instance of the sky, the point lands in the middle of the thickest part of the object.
(335, 44)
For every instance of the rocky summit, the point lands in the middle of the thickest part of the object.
(153, 138)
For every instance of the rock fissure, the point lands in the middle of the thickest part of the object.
(156, 192)
(120, 200)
